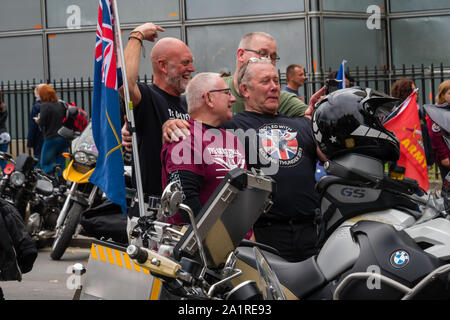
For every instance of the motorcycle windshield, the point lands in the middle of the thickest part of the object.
(433, 207)
(85, 142)
(268, 280)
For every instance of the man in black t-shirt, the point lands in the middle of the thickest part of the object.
(283, 148)
(156, 103)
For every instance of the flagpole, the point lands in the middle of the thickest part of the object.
(129, 109)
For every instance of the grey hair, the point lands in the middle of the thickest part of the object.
(248, 38)
(246, 73)
(197, 86)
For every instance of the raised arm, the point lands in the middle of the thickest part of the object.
(147, 31)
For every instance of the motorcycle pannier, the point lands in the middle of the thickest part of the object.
(229, 214)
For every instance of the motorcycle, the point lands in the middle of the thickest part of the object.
(379, 239)
(407, 255)
(5, 191)
(199, 262)
(31, 190)
(82, 194)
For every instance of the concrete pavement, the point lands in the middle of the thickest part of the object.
(49, 279)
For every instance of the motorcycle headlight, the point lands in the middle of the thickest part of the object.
(17, 178)
(84, 158)
(81, 157)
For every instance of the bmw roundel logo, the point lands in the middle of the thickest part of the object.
(399, 259)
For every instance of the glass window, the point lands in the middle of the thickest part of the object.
(71, 14)
(76, 13)
(132, 11)
(22, 58)
(418, 5)
(352, 40)
(420, 40)
(200, 9)
(214, 47)
(20, 15)
(350, 5)
(71, 55)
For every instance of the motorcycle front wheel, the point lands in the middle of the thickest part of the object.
(63, 238)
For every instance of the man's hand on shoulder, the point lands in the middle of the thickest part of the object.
(175, 129)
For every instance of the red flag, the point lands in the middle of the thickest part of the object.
(406, 126)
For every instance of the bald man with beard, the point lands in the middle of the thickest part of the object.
(156, 103)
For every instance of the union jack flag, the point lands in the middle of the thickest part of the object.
(108, 173)
(105, 51)
(279, 143)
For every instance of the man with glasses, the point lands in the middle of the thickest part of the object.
(154, 104)
(201, 161)
(283, 148)
(263, 45)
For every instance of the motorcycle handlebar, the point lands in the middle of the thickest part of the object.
(153, 261)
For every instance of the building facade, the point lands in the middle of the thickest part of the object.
(52, 39)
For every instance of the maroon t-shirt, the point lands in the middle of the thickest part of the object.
(209, 152)
(441, 150)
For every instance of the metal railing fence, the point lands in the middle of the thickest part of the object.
(19, 95)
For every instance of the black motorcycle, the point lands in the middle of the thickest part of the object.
(36, 195)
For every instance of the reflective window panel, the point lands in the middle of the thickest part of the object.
(73, 14)
(214, 47)
(418, 5)
(351, 5)
(22, 58)
(20, 15)
(201, 9)
(420, 40)
(352, 40)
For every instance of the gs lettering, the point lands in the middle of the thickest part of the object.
(354, 193)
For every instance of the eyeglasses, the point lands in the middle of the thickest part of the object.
(224, 90)
(263, 53)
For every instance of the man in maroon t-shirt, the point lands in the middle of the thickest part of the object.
(201, 161)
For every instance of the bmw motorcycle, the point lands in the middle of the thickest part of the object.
(380, 239)
(82, 193)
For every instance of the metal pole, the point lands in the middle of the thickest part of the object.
(128, 108)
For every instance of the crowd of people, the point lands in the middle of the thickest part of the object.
(168, 110)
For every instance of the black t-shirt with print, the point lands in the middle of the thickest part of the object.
(285, 148)
(155, 108)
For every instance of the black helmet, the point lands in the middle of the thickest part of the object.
(349, 121)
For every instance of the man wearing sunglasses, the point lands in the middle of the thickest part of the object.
(201, 161)
(283, 148)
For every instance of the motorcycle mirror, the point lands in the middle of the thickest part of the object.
(171, 199)
(268, 280)
(66, 133)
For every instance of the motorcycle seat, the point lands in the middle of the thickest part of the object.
(301, 278)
